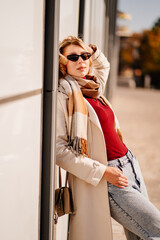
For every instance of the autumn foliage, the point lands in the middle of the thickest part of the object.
(142, 52)
(150, 50)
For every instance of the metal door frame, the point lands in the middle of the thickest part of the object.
(52, 13)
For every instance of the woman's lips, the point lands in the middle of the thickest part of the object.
(81, 68)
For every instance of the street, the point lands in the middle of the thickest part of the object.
(138, 111)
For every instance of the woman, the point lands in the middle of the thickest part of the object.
(91, 149)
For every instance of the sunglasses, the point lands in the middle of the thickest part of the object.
(75, 57)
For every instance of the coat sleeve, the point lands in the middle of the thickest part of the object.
(100, 68)
(84, 168)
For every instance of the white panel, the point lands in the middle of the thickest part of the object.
(20, 125)
(69, 15)
(62, 228)
(87, 22)
(94, 27)
(21, 25)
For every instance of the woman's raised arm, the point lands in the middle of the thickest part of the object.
(100, 68)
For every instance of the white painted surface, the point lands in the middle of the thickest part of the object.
(20, 169)
(21, 71)
(21, 24)
(69, 17)
(94, 22)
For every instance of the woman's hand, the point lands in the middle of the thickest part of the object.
(115, 177)
(92, 48)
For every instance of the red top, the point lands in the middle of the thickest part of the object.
(115, 147)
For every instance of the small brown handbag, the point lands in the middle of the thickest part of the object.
(63, 199)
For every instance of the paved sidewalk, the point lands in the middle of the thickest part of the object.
(138, 111)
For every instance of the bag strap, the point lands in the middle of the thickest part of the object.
(66, 179)
(60, 178)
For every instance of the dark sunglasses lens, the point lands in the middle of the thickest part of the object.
(73, 57)
(86, 56)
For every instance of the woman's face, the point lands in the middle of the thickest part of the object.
(80, 68)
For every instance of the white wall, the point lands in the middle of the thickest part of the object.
(21, 24)
(94, 23)
(69, 15)
(21, 78)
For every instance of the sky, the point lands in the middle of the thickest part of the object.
(144, 13)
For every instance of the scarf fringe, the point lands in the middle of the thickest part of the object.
(79, 146)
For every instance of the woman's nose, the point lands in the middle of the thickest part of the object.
(80, 59)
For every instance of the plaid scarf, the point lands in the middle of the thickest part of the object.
(75, 89)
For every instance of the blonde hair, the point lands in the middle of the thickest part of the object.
(70, 40)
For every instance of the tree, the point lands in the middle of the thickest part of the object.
(150, 50)
(157, 23)
(141, 52)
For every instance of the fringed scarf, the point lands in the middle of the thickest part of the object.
(76, 88)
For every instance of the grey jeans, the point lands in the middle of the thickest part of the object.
(130, 206)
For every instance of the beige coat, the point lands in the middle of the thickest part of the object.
(91, 218)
